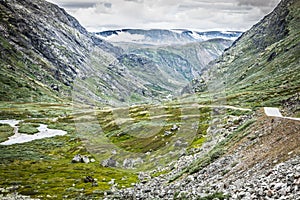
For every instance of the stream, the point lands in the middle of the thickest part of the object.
(17, 138)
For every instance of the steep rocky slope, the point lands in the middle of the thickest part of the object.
(46, 55)
(259, 162)
(43, 50)
(262, 67)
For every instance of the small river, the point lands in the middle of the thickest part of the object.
(17, 138)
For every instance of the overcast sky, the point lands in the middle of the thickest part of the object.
(168, 14)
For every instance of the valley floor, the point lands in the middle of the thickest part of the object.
(174, 150)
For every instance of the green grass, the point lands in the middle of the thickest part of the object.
(48, 161)
(43, 167)
(197, 143)
(28, 128)
(5, 132)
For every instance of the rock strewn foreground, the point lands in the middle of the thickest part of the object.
(280, 182)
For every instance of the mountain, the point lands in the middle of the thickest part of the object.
(46, 55)
(218, 143)
(164, 37)
(183, 62)
(254, 155)
(180, 54)
(44, 50)
(262, 66)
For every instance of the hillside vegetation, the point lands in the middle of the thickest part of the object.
(129, 136)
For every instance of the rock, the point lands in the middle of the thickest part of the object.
(88, 179)
(282, 192)
(85, 159)
(114, 152)
(80, 159)
(112, 181)
(143, 176)
(180, 143)
(191, 178)
(95, 184)
(55, 87)
(128, 163)
(167, 133)
(131, 163)
(269, 193)
(147, 190)
(76, 159)
(175, 128)
(278, 186)
(109, 163)
(260, 192)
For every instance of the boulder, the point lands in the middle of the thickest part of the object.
(175, 128)
(80, 159)
(76, 159)
(85, 159)
(88, 179)
(109, 163)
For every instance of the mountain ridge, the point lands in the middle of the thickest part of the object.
(217, 143)
(164, 36)
(58, 59)
(270, 47)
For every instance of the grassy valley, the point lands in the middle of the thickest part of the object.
(131, 132)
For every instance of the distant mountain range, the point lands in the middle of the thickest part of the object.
(164, 37)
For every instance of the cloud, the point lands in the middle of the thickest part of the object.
(136, 1)
(168, 14)
(77, 5)
(258, 3)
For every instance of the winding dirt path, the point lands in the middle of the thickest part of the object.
(275, 112)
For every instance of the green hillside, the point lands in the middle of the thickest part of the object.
(262, 67)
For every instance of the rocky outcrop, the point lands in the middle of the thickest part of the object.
(45, 46)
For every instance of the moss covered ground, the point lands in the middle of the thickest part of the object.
(43, 168)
